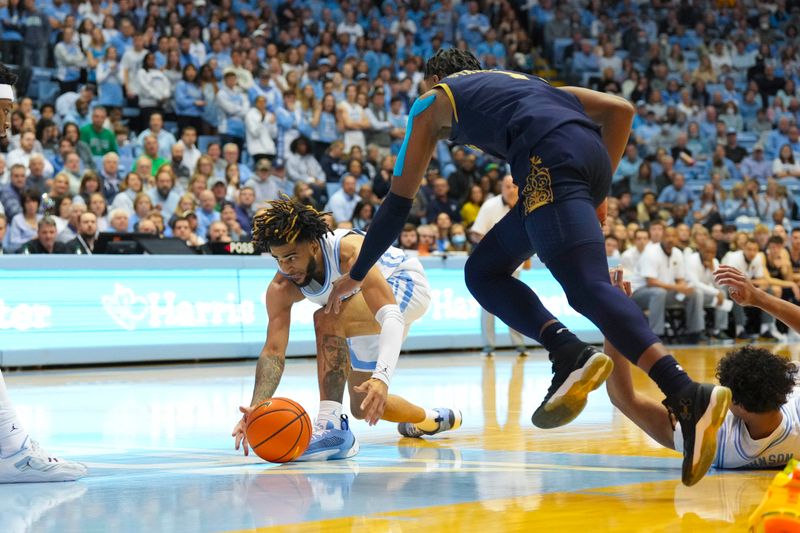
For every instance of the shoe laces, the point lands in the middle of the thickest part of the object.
(37, 452)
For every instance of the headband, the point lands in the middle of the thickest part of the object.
(6, 92)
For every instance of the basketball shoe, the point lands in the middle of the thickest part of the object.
(448, 419)
(31, 464)
(329, 443)
(578, 370)
(700, 408)
(779, 511)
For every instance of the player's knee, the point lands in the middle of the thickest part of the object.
(323, 320)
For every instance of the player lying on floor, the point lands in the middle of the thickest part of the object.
(358, 348)
(762, 429)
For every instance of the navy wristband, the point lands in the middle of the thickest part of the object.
(384, 229)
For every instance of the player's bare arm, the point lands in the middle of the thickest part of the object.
(378, 295)
(430, 119)
(744, 292)
(614, 115)
(648, 414)
(281, 295)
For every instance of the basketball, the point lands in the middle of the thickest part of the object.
(279, 430)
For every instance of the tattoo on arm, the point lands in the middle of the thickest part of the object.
(334, 367)
(268, 375)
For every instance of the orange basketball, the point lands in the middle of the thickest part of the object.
(279, 430)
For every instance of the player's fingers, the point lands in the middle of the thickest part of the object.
(361, 388)
(367, 401)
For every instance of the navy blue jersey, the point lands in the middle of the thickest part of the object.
(507, 113)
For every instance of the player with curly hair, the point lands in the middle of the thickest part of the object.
(21, 458)
(359, 348)
(762, 428)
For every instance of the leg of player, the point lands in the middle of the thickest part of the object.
(412, 420)
(21, 458)
(578, 367)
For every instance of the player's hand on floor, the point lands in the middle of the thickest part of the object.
(374, 403)
(239, 431)
(343, 287)
(740, 288)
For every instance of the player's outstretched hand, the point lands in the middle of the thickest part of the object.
(343, 287)
(239, 430)
(741, 290)
(375, 401)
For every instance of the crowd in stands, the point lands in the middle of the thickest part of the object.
(182, 118)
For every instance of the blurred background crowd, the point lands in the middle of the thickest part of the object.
(182, 118)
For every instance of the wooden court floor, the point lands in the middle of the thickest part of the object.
(156, 440)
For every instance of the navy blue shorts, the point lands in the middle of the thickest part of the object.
(570, 162)
(561, 182)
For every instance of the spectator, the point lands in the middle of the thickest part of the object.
(154, 91)
(777, 138)
(261, 129)
(708, 211)
(245, 208)
(189, 100)
(700, 268)
(71, 132)
(301, 166)
(83, 243)
(441, 203)
(178, 166)
(35, 29)
(182, 230)
(191, 154)
(747, 261)
(206, 212)
(230, 156)
(398, 119)
(778, 273)
(264, 184)
(22, 155)
(108, 74)
(142, 207)
(45, 241)
(24, 224)
(677, 193)
(662, 267)
(233, 107)
(378, 133)
(151, 157)
(458, 239)
(785, 166)
(326, 129)
(11, 194)
(98, 206)
(129, 188)
(90, 184)
(100, 139)
(756, 166)
(165, 138)
(628, 168)
(772, 200)
(733, 151)
(469, 211)
(163, 195)
(739, 204)
(409, 240)
(352, 119)
(362, 215)
(70, 230)
(60, 212)
(69, 60)
(612, 247)
(234, 230)
(118, 221)
(462, 179)
(210, 88)
(343, 202)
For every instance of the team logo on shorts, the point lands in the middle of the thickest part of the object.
(538, 189)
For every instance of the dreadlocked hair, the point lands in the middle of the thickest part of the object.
(449, 61)
(287, 221)
(6, 76)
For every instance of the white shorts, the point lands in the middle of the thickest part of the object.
(413, 295)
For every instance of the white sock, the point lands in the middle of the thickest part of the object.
(430, 423)
(330, 411)
(12, 435)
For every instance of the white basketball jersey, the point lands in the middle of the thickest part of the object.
(392, 260)
(736, 449)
